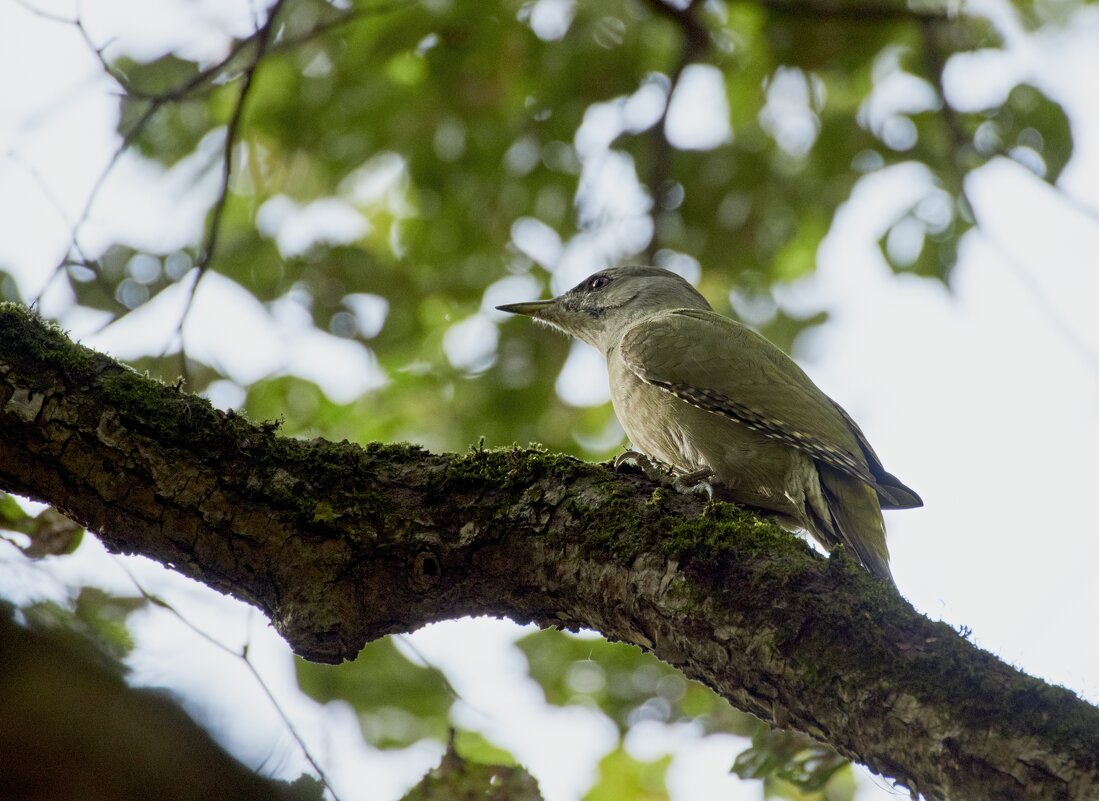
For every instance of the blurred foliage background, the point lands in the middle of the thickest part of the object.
(381, 174)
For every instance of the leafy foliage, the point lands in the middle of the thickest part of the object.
(398, 701)
(623, 682)
(781, 757)
(632, 687)
(458, 778)
(400, 166)
(622, 776)
(94, 623)
(49, 533)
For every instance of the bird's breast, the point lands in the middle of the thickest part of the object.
(654, 421)
(757, 471)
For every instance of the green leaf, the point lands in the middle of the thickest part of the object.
(50, 532)
(106, 616)
(398, 701)
(790, 757)
(12, 516)
(623, 777)
(95, 622)
(625, 683)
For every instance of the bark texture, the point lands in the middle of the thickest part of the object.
(340, 544)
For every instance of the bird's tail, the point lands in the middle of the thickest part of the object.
(854, 519)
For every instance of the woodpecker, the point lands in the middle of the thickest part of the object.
(715, 401)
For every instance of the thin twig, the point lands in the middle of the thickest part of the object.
(262, 37)
(242, 655)
(1037, 296)
(59, 207)
(188, 89)
(130, 136)
(38, 12)
(437, 671)
(855, 12)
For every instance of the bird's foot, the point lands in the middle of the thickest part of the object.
(696, 483)
(693, 483)
(652, 470)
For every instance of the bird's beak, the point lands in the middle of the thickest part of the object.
(532, 308)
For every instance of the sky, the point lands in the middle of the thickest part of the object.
(984, 397)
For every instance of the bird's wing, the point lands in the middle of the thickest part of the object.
(721, 366)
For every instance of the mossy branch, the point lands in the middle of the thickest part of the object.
(340, 544)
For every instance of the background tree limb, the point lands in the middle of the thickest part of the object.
(339, 544)
(73, 729)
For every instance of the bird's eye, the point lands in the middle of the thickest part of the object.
(598, 282)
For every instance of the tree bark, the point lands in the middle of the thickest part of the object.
(340, 544)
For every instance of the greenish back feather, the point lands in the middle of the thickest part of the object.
(725, 367)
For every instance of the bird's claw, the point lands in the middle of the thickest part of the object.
(694, 483)
(651, 469)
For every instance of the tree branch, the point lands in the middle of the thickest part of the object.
(339, 544)
(856, 11)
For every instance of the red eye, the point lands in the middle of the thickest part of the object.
(598, 282)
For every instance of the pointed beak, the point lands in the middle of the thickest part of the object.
(532, 308)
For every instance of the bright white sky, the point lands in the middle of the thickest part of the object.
(985, 398)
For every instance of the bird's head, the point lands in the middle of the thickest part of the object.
(600, 308)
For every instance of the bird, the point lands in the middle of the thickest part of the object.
(718, 403)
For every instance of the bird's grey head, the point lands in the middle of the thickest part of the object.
(600, 308)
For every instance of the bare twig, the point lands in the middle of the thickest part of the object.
(55, 201)
(242, 655)
(855, 11)
(261, 42)
(435, 670)
(262, 37)
(156, 102)
(40, 12)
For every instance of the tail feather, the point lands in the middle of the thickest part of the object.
(893, 494)
(856, 520)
